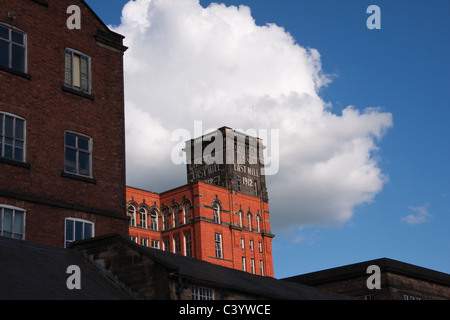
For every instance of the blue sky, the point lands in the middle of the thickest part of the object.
(402, 69)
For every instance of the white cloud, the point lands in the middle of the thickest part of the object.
(421, 215)
(188, 63)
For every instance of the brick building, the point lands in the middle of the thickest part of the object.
(217, 217)
(62, 136)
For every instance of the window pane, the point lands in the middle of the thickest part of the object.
(71, 140)
(1, 124)
(83, 143)
(76, 71)
(7, 221)
(18, 58)
(78, 230)
(9, 124)
(18, 222)
(18, 37)
(4, 54)
(4, 33)
(68, 69)
(18, 151)
(70, 161)
(69, 230)
(19, 129)
(87, 230)
(84, 164)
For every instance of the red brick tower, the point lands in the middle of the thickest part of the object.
(62, 137)
(211, 220)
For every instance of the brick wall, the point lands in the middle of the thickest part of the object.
(49, 111)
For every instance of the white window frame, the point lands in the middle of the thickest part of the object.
(3, 137)
(187, 244)
(202, 293)
(216, 213)
(11, 44)
(132, 215)
(68, 241)
(14, 210)
(218, 245)
(77, 150)
(69, 53)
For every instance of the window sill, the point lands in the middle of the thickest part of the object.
(15, 72)
(78, 93)
(78, 177)
(15, 163)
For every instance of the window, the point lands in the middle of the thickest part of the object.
(176, 216)
(176, 244)
(134, 239)
(187, 213)
(238, 183)
(77, 72)
(261, 267)
(142, 218)
(244, 265)
(260, 246)
(258, 223)
(12, 222)
(166, 245)
(155, 244)
(187, 244)
(251, 245)
(166, 219)
(242, 243)
(154, 220)
(256, 188)
(132, 214)
(13, 49)
(252, 265)
(201, 293)
(77, 229)
(216, 210)
(249, 218)
(12, 137)
(240, 218)
(78, 154)
(218, 245)
(144, 242)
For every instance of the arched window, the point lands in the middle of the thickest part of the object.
(176, 216)
(142, 218)
(216, 210)
(166, 222)
(154, 220)
(132, 214)
(187, 212)
(240, 218)
(258, 223)
(249, 218)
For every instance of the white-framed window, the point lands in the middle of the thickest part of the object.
(77, 71)
(155, 244)
(251, 245)
(244, 264)
(249, 219)
(242, 243)
(142, 218)
(258, 223)
(12, 137)
(12, 222)
(260, 247)
(218, 245)
(216, 213)
(13, 48)
(78, 229)
(252, 265)
(134, 239)
(144, 242)
(261, 267)
(154, 220)
(166, 219)
(202, 293)
(176, 244)
(187, 244)
(78, 154)
(187, 212)
(132, 214)
(240, 218)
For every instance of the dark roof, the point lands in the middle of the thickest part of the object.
(31, 271)
(360, 269)
(208, 274)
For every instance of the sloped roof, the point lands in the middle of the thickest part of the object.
(30, 271)
(208, 274)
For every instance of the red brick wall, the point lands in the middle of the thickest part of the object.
(49, 111)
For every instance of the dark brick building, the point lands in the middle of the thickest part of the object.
(62, 137)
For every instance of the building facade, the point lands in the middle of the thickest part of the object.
(62, 136)
(213, 218)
